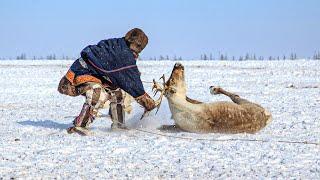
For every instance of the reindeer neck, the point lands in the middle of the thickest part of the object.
(178, 103)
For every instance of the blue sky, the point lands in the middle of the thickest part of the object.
(175, 27)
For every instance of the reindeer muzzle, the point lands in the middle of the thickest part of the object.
(178, 66)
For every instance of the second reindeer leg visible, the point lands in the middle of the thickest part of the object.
(234, 97)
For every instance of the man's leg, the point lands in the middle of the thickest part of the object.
(96, 96)
(116, 110)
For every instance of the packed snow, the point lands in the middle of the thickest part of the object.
(34, 143)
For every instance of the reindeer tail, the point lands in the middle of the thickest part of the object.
(268, 115)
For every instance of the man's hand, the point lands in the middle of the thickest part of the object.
(148, 103)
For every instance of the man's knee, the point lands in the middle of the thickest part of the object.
(96, 95)
(127, 100)
(65, 87)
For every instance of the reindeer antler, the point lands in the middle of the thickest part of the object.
(157, 88)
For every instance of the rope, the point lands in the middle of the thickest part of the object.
(225, 140)
(212, 140)
(149, 82)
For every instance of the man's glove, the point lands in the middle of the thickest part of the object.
(146, 101)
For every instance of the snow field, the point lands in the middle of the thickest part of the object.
(34, 116)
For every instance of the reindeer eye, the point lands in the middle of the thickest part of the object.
(172, 91)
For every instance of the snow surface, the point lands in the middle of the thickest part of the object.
(34, 116)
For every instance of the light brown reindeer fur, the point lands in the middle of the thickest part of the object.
(239, 116)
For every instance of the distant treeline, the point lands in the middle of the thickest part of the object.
(247, 56)
(205, 57)
(24, 56)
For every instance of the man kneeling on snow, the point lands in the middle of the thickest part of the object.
(100, 74)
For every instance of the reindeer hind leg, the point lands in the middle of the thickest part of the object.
(234, 97)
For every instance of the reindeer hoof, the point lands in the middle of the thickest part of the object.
(214, 90)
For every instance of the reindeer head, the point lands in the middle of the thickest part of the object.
(175, 86)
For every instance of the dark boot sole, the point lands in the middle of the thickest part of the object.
(79, 130)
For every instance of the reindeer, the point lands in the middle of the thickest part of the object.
(239, 116)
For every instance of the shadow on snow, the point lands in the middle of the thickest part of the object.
(45, 124)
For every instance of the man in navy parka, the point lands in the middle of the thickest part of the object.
(100, 74)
